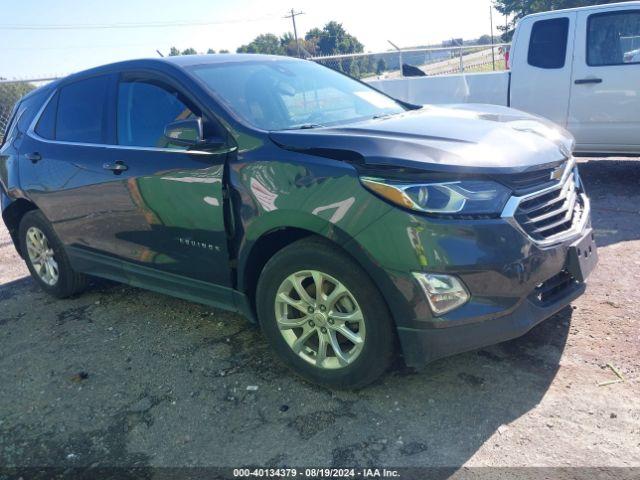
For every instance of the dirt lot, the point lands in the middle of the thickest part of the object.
(167, 380)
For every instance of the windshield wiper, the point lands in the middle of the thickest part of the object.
(305, 126)
(382, 115)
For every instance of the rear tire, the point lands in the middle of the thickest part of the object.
(342, 338)
(46, 258)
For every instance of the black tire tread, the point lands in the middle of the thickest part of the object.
(372, 363)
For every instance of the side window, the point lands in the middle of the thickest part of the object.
(23, 115)
(82, 111)
(548, 44)
(144, 109)
(613, 38)
(29, 107)
(46, 126)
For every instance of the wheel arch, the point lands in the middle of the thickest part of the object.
(257, 253)
(12, 214)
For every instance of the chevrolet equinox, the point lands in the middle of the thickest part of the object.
(347, 224)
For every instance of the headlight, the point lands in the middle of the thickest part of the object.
(465, 197)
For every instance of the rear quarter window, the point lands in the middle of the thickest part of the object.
(24, 113)
(548, 43)
(46, 127)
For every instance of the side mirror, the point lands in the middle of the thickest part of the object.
(187, 133)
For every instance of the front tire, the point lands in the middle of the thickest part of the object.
(324, 316)
(46, 258)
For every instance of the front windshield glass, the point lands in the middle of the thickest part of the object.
(288, 94)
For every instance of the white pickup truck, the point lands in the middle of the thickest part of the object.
(578, 67)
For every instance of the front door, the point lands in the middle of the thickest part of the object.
(174, 220)
(605, 104)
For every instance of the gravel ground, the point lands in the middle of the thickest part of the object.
(120, 377)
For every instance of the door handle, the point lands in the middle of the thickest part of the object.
(584, 81)
(117, 168)
(34, 157)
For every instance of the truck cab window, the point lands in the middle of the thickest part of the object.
(613, 38)
(548, 44)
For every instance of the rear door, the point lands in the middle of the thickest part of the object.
(541, 66)
(160, 210)
(16, 129)
(62, 157)
(605, 100)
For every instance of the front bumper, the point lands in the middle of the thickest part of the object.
(501, 266)
(421, 346)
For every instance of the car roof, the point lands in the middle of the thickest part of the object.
(180, 61)
(191, 60)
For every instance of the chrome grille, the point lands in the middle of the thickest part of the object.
(552, 212)
(533, 180)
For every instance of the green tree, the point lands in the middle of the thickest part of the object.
(516, 9)
(307, 47)
(333, 39)
(381, 66)
(288, 43)
(483, 40)
(174, 52)
(314, 33)
(266, 43)
(454, 42)
(287, 38)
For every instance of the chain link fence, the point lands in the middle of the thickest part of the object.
(420, 62)
(11, 91)
(365, 66)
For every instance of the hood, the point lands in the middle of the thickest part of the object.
(469, 138)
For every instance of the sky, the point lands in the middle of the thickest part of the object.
(29, 51)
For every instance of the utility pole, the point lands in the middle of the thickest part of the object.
(293, 16)
(506, 28)
(493, 50)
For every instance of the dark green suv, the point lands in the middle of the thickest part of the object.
(348, 225)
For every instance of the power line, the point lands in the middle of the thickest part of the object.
(99, 26)
(82, 47)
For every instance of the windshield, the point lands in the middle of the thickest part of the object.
(288, 94)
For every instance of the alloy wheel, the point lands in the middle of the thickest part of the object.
(41, 256)
(320, 319)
